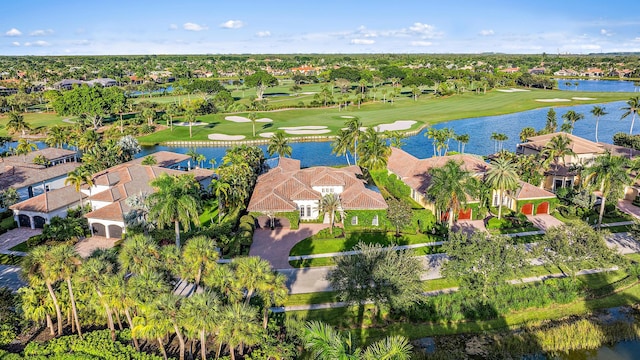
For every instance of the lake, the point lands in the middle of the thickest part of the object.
(598, 85)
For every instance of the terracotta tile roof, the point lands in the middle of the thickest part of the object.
(112, 212)
(528, 191)
(415, 172)
(49, 154)
(17, 176)
(578, 144)
(53, 200)
(276, 190)
(620, 150)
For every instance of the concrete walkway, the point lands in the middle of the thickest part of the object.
(14, 237)
(275, 245)
(627, 207)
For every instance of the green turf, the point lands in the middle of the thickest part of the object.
(21, 247)
(427, 110)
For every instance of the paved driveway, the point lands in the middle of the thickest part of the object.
(469, 226)
(627, 207)
(10, 277)
(16, 236)
(275, 245)
(86, 246)
(544, 221)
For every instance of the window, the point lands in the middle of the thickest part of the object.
(567, 183)
(354, 220)
(496, 199)
(301, 211)
(374, 221)
(557, 184)
(308, 210)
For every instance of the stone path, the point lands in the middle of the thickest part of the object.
(627, 207)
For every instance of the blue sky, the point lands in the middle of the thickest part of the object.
(89, 27)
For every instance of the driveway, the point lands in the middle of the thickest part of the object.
(10, 277)
(86, 246)
(275, 245)
(627, 207)
(469, 226)
(16, 236)
(544, 221)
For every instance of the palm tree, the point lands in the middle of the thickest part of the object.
(172, 110)
(325, 343)
(201, 314)
(251, 272)
(272, 292)
(557, 149)
(552, 122)
(598, 111)
(278, 144)
(175, 201)
(462, 139)
(139, 254)
(94, 272)
(119, 109)
(450, 186)
(253, 117)
(149, 160)
(88, 140)
(198, 255)
(375, 150)
(56, 136)
(607, 172)
(37, 266)
(501, 138)
(239, 326)
(571, 117)
(221, 190)
(526, 133)
(502, 176)
(340, 146)
(24, 147)
(190, 116)
(17, 124)
(632, 107)
(330, 203)
(353, 135)
(65, 262)
(149, 114)
(396, 137)
(200, 159)
(78, 177)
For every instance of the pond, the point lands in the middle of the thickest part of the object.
(598, 85)
(479, 130)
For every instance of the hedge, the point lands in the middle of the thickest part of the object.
(365, 217)
(292, 216)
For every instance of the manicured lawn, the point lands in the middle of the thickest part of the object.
(210, 213)
(311, 246)
(21, 247)
(427, 110)
(39, 122)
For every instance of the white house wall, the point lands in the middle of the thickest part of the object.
(328, 189)
(37, 189)
(314, 208)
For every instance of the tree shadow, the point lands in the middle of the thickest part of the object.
(267, 126)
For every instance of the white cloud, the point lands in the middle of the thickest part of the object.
(421, 43)
(424, 30)
(39, 43)
(41, 32)
(605, 32)
(13, 32)
(488, 32)
(194, 27)
(636, 39)
(15, 43)
(362, 41)
(265, 33)
(173, 27)
(232, 24)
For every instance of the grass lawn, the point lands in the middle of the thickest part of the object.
(39, 122)
(21, 247)
(210, 213)
(311, 246)
(427, 110)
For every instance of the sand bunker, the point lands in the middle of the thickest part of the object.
(225, 137)
(307, 132)
(264, 120)
(182, 123)
(266, 134)
(239, 119)
(396, 125)
(583, 98)
(309, 127)
(347, 117)
(309, 92)
(363, 128)
(512, 90)
(552, 100)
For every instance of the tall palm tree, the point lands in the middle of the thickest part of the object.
(198, 255)
(56, 136)
(66, 262)
(526, 133)
(253, 117)
(375, 150)
(17, 124)
(139, 254)
(221, 190)
(501, 138)
(571, 117)
(340, 146)
(607, 172)
(502, 176)
(37, 266)
(175, 201)
(632, 107)
(190, 116)
(120, 109)
(272, 292)
(78, 177)
(251, 272)
(462, 139)
(24, 147)
(353, 135)
(556, 150)
(450, 186)
(239, 326)
(551, 124)
(88, 140)
(201, 314)
(598, 112)
(94, 272)
(330, 203)
(278, 144)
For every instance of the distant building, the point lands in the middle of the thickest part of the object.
(537, 71)
(566, 72)
(67, 84)
(104, 82)
(510, 70)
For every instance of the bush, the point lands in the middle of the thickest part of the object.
(338, 232)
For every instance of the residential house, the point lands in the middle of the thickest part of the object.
(414, 173)
(510, 70)
(107, 197)
(287, 188)
(565, 172)
(104, 82)
(566, 72)
(592, 72)
(30, 179)
(537, 71)
(67, 84)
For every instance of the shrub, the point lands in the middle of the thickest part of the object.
(326, 234)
